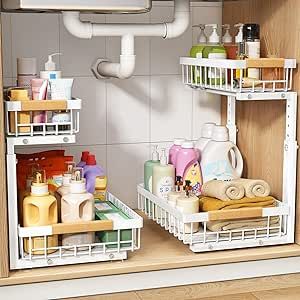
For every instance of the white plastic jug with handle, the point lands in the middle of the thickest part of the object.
(221, 159)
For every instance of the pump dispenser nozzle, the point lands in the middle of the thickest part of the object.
(155, 154)
(50, 65)
(227, 38)
(163, 157)
(239, 36)
(77, 185)
(39, 184)
(214, 38)
(188, 188)
(202, 38)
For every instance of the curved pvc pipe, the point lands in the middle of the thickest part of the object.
(125, 68)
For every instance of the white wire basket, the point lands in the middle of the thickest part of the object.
(227, 75)
(16, 127)
(182, 225)
(83, 253)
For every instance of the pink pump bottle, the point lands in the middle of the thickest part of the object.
(174, 150)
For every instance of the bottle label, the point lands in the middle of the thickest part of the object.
(220, 170)
(150, 184)
(215, 72)
(164, 187)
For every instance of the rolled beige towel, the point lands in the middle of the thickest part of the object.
(254, 187)
(223, 190)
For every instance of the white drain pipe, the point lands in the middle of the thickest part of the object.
(125, 68)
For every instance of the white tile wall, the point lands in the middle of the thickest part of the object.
(120, 119)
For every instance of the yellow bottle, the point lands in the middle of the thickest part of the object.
(23, 117)
(40, 209)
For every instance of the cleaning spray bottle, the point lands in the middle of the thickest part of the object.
(163, 177)
(40, 209)
(148, 169)
(78, 206)
(214, 50)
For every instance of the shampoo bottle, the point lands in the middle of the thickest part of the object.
(241, 55)
(148, 169)
(214, 50)
(77, 206)
(40, 209)
(64, 189)
(221, 159)
(50, 71)
(163, 177)
(174, 150)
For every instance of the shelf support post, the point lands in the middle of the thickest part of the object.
(231, 118)
(290, 162)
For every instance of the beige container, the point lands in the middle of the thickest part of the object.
(188, 205)
(39, 209)
(23, 117)
(77, 206)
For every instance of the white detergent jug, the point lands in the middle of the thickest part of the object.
(221, 159)
(206, 135)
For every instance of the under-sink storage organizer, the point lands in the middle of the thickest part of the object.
(69, 125)
(181, 225)
(221, 74)
(121, 236)
(278, 87)
(98, 251)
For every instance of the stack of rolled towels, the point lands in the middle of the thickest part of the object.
(234, 194)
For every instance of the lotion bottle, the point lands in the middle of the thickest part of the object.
(50, 71)
(40, 209)
(77, 206)
(163, 177)
(148, 169)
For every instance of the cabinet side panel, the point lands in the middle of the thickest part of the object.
(3, 201)
(262, 124)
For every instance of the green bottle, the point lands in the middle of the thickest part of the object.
(214, 50)
(148, 169)
(197, 51)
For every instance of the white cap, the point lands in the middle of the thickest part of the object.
(163, 157)
(155, 154)
(214, 38)
(26, 66)
(188, 145)
(202, 38)
(178, 141)
(67, 179)
(227, 38)
(239, 36)
(207, 130)
(220, 134)
(50, 65)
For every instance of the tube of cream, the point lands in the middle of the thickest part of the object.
(61, 89)
(39, 92)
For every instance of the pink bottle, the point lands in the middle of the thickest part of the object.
(174, 150)
(185, 156)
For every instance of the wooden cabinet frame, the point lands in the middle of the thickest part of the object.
(251, 117)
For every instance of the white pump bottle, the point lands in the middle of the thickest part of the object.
(50, 69)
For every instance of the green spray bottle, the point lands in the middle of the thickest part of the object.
(214, 50)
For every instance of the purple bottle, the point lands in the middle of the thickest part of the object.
(84, 157)
(185, 156)
(91, 171)
(174, 150)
